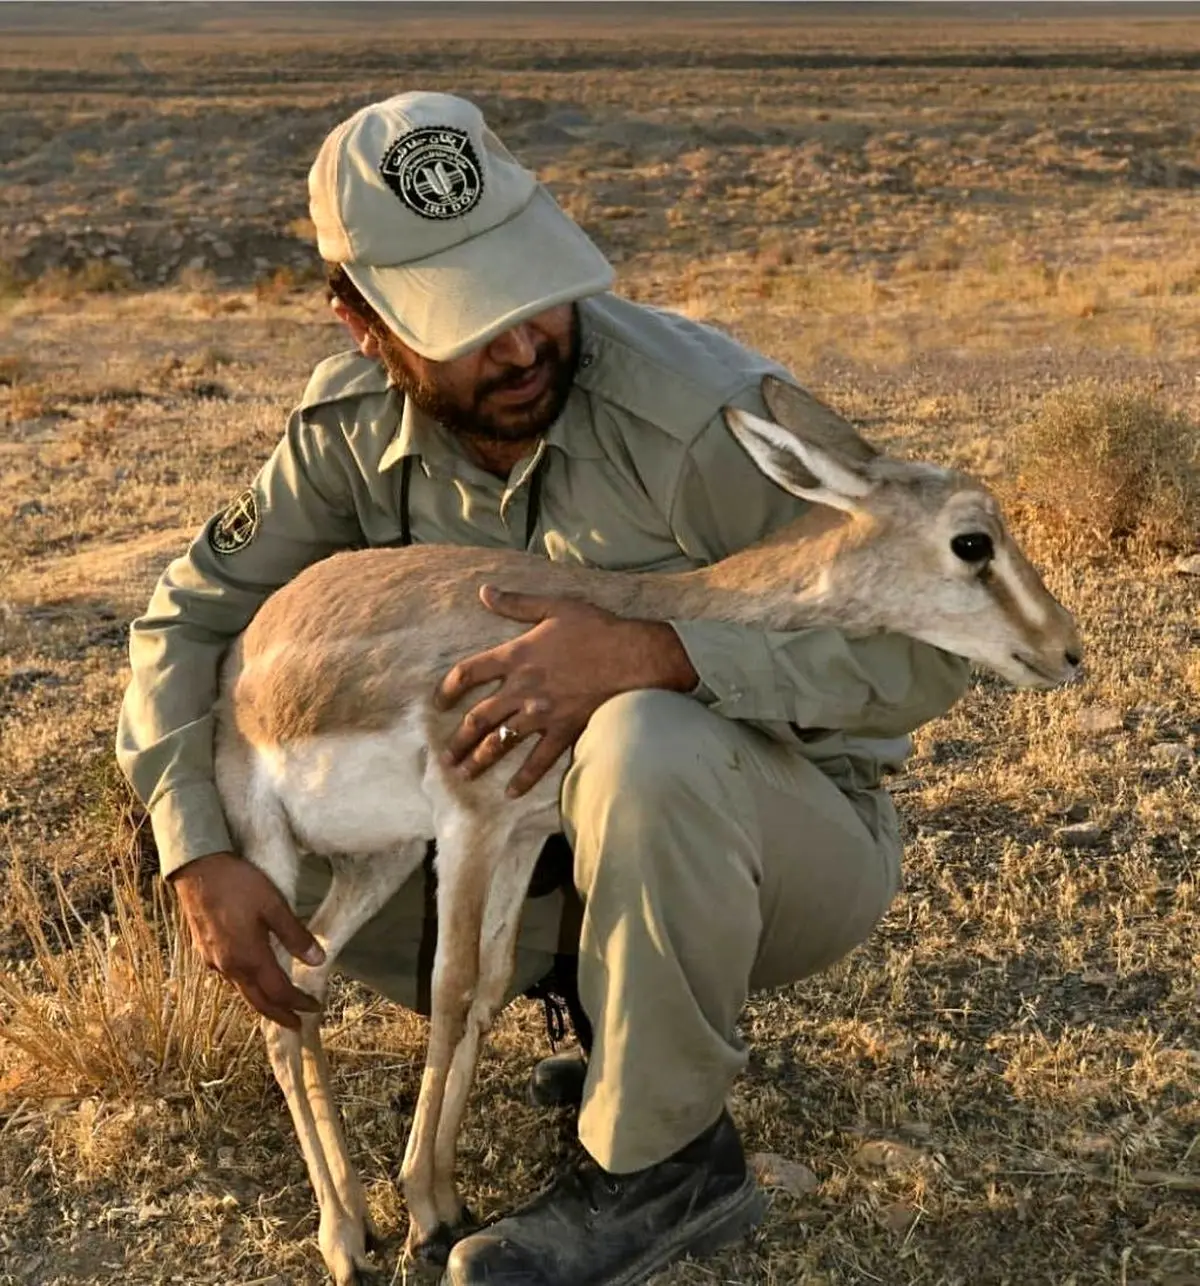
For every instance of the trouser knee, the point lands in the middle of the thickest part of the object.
(642, 755)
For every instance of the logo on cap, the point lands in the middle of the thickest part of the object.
(434, 171)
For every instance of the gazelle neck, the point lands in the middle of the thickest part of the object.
(783, 582)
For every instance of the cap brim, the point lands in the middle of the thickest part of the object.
(456, 301)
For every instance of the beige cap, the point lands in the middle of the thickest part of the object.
(446, 236)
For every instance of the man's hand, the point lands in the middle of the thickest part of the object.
(553, 678)
(231, 908)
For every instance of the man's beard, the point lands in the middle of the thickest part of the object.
(501, 424)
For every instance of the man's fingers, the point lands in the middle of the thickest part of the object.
(491, 729)
(280, 1014)
(530, 608)
(482, 718)
(483, 667)
(541, 759)
(277, 991)
(295, 938)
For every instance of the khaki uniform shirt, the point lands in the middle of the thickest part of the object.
(638, 472)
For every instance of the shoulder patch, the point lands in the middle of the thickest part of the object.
(236, 525)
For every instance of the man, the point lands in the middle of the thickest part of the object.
(723, 803)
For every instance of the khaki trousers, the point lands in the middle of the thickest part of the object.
(710, 860)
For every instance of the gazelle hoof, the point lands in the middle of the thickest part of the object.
(436, 1248)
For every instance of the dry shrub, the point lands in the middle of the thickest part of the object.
(95, 277)
(27, 401)
(121, 1005)
(13, 370)
(276, 286)
(1110, 464)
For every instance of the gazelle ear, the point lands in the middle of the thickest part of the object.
(806, 470)
(815, 423)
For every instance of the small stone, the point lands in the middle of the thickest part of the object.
(197, 263)
(1079, 835)
(884, 1154)
(1172, 752)
(899, 1217)
(30, 509)
(121, 261)
(209, 390)
(1188, 564)
(774, 1171)
(222, 249)
(1099, 719)
(1094, 1146)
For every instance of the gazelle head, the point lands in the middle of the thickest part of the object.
(928, 552)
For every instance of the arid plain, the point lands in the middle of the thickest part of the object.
(964, 232)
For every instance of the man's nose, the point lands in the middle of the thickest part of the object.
(514, 347)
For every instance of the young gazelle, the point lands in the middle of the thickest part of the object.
(328, 736)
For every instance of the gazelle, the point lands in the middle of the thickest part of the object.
(328, 736)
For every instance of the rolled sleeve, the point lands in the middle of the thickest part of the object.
(188, 823)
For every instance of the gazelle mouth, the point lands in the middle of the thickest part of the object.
(1052, 679)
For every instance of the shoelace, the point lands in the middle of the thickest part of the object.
(555, 1008)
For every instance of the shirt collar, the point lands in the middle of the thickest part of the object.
(420, 435)
(573, 433)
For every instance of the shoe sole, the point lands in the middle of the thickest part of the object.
(726, 1221)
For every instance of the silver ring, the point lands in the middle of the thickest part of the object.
(507, 734)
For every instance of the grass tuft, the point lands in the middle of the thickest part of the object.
(118, 1005)
(1111, 464)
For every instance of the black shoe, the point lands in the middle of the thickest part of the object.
(592, 1228)
(558, 1081)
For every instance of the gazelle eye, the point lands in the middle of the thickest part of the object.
(973, 547)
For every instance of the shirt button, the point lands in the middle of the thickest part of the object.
(585, 361)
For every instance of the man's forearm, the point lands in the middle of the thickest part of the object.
(882, 686)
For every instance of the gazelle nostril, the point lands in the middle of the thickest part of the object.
(1073, 658)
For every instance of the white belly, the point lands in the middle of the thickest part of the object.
(354, 792)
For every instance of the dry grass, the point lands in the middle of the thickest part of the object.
(1111, 463)
(117, 1004)
(970, 258)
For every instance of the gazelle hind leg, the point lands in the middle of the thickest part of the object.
(466, 854)
(359, 889)
(342, 1237)
(504, 898)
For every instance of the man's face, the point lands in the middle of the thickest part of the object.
(509, 390)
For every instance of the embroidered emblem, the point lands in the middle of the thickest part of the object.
(434, 171)
(234, 529)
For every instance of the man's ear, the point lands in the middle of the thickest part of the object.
(360, 332)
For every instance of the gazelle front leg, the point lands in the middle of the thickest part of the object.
(359, 889)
